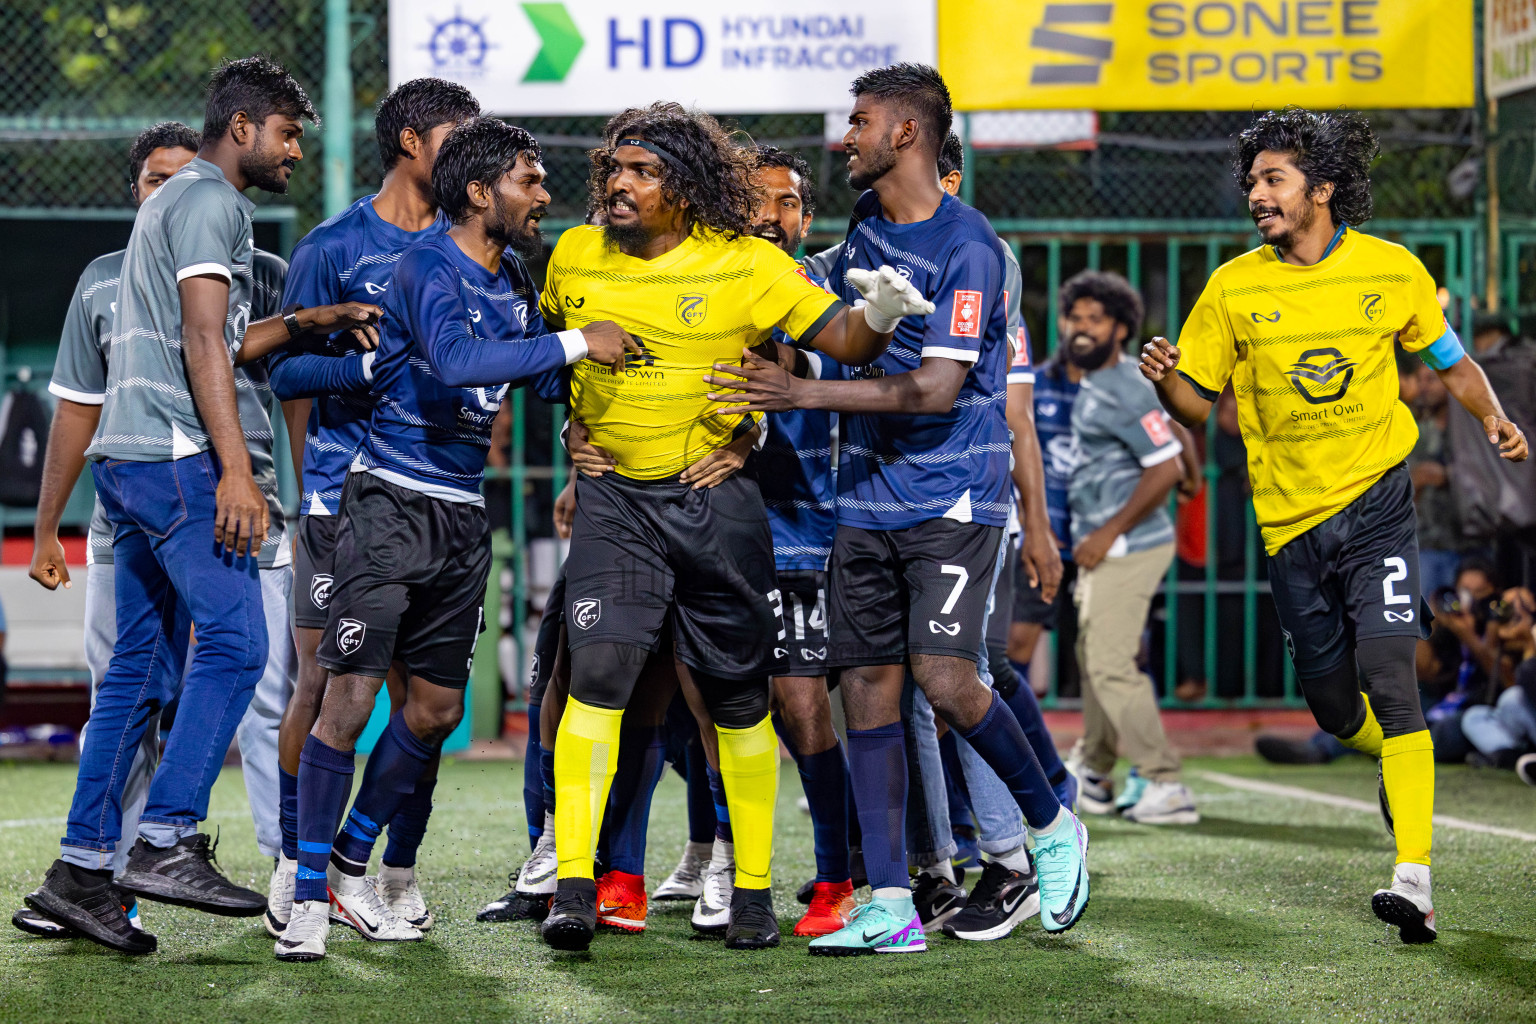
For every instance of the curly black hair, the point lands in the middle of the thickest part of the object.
(480, 149)
(165, 135)
(951, 156)
(260, 87)
(420, 104)
(712, 174)
(1326, 146)
(773, 156)
(1112, 291)
(919, 90)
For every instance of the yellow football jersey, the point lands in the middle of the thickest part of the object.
(700, 303)
(1310, 355)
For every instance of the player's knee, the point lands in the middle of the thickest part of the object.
(1334, 698)
(432, 724)
(1387, 674)
(603, 675)
(345, 709)
(734, 703)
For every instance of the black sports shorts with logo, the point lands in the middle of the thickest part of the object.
(919, 590)
(410, 583)
(803, 593)
(312, 571)
(646, 551)
(1354, 576)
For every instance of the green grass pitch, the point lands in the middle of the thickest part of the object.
(1259, 914)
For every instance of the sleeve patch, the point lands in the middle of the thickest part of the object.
(965, 322)
(1021, 351)
(1157, 428)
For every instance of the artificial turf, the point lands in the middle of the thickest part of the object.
(1259, 914)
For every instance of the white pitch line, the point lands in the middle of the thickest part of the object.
(1351, 804)
(30, 822)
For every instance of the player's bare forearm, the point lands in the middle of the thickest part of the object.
(74, 424)
(761, 386)
(1468, 384)
(296, 417)
(269, 334)
(1150, 493)
(849, 339)
(1183, 402)
(1028, 463)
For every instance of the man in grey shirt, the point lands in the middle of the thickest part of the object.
(189, 518)
(1126, 462)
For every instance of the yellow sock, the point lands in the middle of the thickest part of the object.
(1367, 739)
(749, 764)
(586, 757)
(1408, 772)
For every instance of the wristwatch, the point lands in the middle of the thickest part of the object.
(291, 321)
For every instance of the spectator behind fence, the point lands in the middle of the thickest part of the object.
(1502, 732)
(1441, 543)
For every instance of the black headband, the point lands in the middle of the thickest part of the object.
(667, 156)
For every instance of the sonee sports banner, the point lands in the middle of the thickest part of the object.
(1206, 54)
(600, 56)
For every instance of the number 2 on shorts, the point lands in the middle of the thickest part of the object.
(1397, 575)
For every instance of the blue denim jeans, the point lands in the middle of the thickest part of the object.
(1508, 725)
(164, 548)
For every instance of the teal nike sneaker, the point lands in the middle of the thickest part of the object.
(1061, 860)
(1135, 786)
(879, 926)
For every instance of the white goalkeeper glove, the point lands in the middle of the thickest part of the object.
(889, 297)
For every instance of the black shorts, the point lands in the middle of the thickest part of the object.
(410, 583)
(546, 645)
(803, 596)
(919, 590)
(312, 571)
(1354, 576)
(644, 552)
(1028, 606)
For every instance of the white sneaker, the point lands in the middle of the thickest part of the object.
(401, 892)
(1406, 905)
(280, 895)
(309, 925)
(1164, 803)
(712, 913)
(539, 872)
(355, 902)
(686, 881)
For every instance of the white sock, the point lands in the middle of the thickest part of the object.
(892, 892)
(1016, 859)
(1061, 816)
(940, 870)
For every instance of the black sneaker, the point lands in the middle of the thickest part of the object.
(572, 915)
(1002, 900)
(1381, 798)
(186, 875)
(753, 924)
(94, 911)
(938, 899)
(514, 906)
(33, 923)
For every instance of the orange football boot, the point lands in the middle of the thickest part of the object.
(831, 903)
(621, 901)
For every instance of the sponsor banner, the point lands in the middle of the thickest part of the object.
(600, 56)
(1206, 54)
(1509, 39)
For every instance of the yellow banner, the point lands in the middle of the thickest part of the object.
(1206, 54)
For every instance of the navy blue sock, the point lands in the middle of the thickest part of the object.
(722, 811)
(701, 803)
(1002, 744)
(409, 825)
(824, 777)
(1026, 709)
(954, 781)
(877, 767)
(642, 760)
(533, 786)
(325, 781)
(397, 762)
(547, 774)
(288, 812)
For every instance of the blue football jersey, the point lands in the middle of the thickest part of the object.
(898, 470)
(1055, 395)
(349, 258)
(454, 338)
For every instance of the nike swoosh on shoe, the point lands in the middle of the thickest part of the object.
(1066, 912)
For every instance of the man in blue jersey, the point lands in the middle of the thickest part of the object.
(352, 257)
(412, 543)
(923, 493)
(794, 472)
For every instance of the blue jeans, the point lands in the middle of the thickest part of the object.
(1508, 725)
(164, 548)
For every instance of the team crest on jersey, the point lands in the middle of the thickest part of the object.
(691, 309)
(966, 319)
(1321, 375)
(349, 635)
(1373, 306)
(320, 589)
(586, 612)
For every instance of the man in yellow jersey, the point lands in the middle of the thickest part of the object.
(1304, 327)
(675, 265)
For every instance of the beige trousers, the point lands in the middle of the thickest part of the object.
(1119, 706)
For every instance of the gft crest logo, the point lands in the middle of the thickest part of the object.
(692, 309)
(1322, 375)
(1373, 306)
